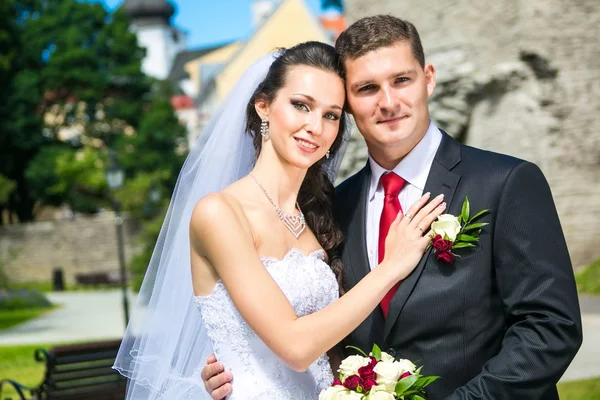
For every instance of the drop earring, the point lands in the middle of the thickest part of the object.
(264, 129)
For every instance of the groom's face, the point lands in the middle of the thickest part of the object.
(387, 92)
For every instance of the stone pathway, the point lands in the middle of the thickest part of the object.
(587, 361)
(83, 316)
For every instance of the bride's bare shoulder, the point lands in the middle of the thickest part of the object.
(216, 208)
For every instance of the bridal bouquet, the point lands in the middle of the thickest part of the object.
(377, 376)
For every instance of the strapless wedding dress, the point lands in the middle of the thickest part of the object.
(309, 285)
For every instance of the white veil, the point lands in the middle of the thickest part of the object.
(166, 345)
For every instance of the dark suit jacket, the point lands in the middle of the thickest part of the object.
(503, 321)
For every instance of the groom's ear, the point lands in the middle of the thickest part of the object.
(262, 108)
(430, 78)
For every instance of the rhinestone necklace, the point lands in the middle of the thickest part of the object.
(295, 223)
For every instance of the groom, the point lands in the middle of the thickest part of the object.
(502, 321)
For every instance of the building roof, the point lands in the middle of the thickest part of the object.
(182, 102)
(335, 25)
(149, 9)
(177, 72)
(331, 26)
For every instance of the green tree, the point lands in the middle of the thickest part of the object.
(159, 144)
(6, 187)
(93, 84)
(76, 91)
(20, 122)
(152, 157)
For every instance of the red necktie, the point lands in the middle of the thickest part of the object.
(392, 184)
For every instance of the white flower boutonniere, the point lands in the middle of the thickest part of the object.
(449, 232)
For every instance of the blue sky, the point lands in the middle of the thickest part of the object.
(213, 21)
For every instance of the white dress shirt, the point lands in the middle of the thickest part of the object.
(414, 169)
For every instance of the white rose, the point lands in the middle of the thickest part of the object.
(340, 393)
(406, 366)
(380, 392)
(381, 395)
(446, 225)
(351, 364)
(349, 395)
(388, 374)
(331, 393)
(386, 357)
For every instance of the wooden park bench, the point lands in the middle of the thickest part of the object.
(98, 278)
(76, 372)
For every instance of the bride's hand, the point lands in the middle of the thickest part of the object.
(407, 239)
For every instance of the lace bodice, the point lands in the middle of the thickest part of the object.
(309, 284)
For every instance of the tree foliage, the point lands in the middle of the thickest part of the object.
(76, 90)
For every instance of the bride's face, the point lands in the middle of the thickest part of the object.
(304, 117)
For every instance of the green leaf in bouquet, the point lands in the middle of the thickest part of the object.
(357, 349)
(479, 214)
(462, 245)
(427, 380)
(418, 397)
(376, 352)
(466, 209)
(404, 384)
(475, 233)
(466, 238)
(474, 226)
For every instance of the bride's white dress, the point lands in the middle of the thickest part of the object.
(309, 284)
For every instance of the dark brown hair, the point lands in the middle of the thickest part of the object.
(317, 193)
(372, 33)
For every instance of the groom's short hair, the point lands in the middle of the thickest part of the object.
(372, 33)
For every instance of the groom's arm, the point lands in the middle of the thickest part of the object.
(535, 281)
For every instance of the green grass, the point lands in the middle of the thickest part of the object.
(46, 287)
(17, 363)
(43, 287)
(588, 389)
(10, 318)
(588, 279)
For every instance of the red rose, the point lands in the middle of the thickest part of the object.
(440, 245)
(404, 375)
(368, 384)
(336, 382)
(367, 372)
(446, 257)
(373, 362)
(352, 382)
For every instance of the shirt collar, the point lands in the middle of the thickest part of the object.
(414, 167)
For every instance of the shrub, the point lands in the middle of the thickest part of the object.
(22, 299)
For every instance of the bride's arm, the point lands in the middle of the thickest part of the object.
(219, 234)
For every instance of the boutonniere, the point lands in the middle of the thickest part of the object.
(449, 232)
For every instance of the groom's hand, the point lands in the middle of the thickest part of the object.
(216, 379)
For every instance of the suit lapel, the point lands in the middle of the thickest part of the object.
(356, 244)
(441, 179)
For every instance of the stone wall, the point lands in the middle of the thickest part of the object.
(519, 77)
(30, 251)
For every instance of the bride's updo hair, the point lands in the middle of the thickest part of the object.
(317, 193)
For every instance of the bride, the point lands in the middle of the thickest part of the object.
(252, 219)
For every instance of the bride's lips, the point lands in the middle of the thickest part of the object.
(306, 145)
(393, 120)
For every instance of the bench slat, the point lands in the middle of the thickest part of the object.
(93, 392)
(85, 373)
(77, 357)
(86, 383)
(59, 369)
